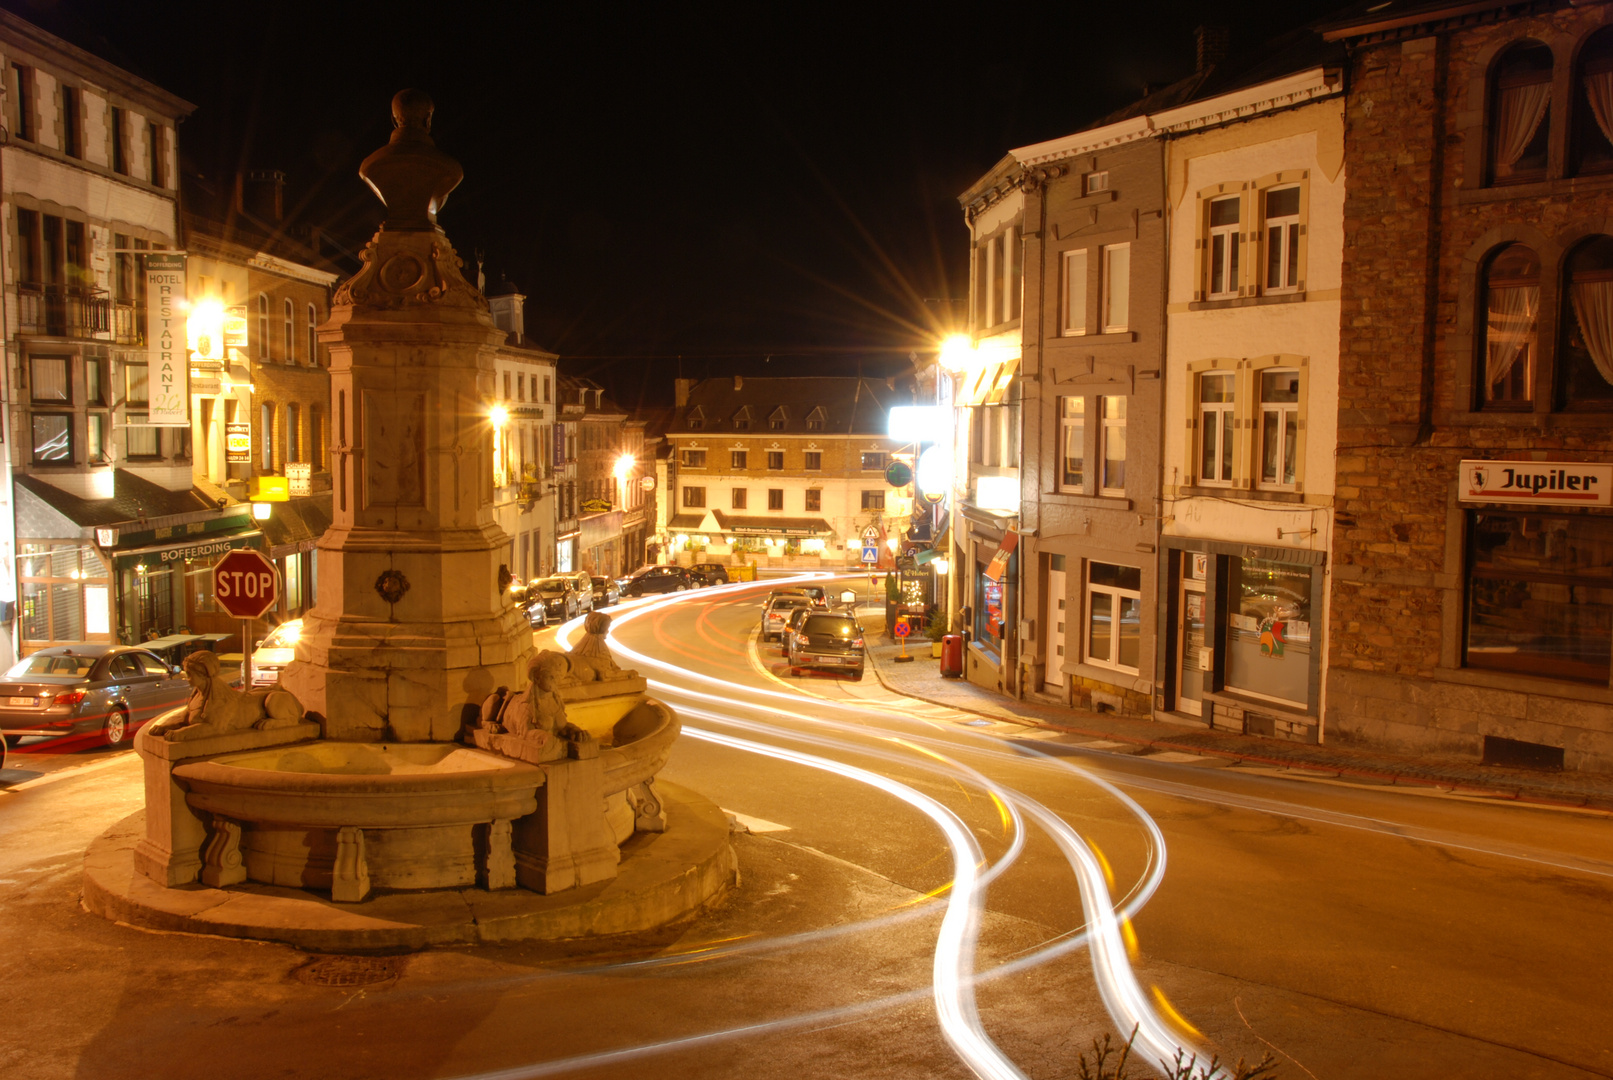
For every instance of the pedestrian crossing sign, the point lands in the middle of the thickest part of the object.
(870, 553)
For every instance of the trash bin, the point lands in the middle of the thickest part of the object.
(952, 656)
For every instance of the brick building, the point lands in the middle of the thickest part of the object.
(1469, 616)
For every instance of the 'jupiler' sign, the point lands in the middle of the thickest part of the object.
(1536, 483)
(168, 371)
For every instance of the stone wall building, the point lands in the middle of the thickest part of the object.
(525, 494)
(1472, 608)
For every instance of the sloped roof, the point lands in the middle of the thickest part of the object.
(851, 405)
(132, 497)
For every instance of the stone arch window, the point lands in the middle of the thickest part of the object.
(1520, 104)
(1509, 338)
(1593, 105)
(1585, 360)
(313, 338)
(263, 326)
(291, 334)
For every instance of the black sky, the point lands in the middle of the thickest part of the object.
(718, 183)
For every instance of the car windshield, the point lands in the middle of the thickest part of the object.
(552, 585)
(284, 636)
(38, 664)
(599, 582)
(831, 625)
(784, 603)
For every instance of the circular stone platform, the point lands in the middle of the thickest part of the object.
(662, 877)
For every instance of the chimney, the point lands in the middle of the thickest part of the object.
(1213, 43)
(262, 193)
(680, 391)
(507, 305)
(739, 382)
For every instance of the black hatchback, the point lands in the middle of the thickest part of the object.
(657, 579)
(88, 689)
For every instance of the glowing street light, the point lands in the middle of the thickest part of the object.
(624, 466)
(957, 352)
(499, 415)
(941, 566)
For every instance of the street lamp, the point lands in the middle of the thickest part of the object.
(941, 566)
(957, 352)
(624, 466)
(499, 415)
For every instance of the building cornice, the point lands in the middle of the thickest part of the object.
(1434, 18)
(91, 68)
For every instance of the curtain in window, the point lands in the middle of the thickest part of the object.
(1519, 111)
(1599, 89)
(1593, 307)
(50, 378)
(1511, 328)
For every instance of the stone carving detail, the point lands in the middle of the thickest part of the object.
(217, 708)
(536, 716)
(591, 661)
(350, 871)
(391, 585)
(649, 813)
(426, 271)
(221, 856)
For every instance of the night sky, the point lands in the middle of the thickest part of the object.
(694, 189)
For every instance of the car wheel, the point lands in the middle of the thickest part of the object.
(681, 588)
(116, 727)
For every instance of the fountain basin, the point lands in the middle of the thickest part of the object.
(392, 815)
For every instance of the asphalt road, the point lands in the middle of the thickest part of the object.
(923, 894)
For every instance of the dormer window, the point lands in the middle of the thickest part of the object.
(815, 419)
(696, 419)
(777, 420)
(742, 419)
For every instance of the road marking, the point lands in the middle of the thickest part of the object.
(756, 824)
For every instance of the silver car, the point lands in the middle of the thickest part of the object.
(102, 690)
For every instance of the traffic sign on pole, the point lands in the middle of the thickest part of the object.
(245, 583)
(870, 553)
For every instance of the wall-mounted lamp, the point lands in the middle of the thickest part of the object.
(262, 510)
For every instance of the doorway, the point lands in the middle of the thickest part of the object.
(1053, 618)
(1192, 658)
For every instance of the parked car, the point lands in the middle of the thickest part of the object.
(604, 591)
(709, 573)
(537, 612)
(827, 640)
(791, 625)
(816, 593)
(657, 579)
(274, 652)
(584, 583)
(88, 687)
(559, 596)
(778, 614)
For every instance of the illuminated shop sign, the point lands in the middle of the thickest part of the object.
(1536, 483)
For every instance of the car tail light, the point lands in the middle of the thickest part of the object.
(857, 644)
(72, 697)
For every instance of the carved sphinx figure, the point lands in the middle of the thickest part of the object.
(217, 708)
(591, 661)
(536, 714)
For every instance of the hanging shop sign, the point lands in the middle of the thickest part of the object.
(1536, 483)
(999, 562)
(168, 371)
(300, 475)
(235, 326)
(238, 444)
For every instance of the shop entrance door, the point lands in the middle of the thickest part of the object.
(1191, 654)
(1053, 620)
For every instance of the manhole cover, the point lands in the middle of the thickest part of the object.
(348, 970)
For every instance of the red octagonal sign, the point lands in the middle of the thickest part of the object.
(245, 584)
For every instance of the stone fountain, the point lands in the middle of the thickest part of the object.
(393, 780)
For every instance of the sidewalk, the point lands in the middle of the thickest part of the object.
(921, 679)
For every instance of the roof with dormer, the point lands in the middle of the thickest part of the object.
(808, 405)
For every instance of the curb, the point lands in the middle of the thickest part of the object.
(1497, 792)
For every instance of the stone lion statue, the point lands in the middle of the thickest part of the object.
(591, 661)
(217, 708)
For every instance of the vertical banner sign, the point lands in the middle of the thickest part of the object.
(168, 371)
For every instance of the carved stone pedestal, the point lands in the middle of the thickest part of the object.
(568, 842)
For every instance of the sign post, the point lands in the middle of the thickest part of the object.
(902, 629)
(245, 585)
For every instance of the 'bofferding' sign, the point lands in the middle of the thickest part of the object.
(1536, 483)
(168, 373)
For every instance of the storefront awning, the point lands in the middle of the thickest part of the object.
(999, 562)
(162, 556)
(988, 384)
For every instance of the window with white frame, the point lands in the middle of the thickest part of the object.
(263, 327)
(1279, 427)
(775, 498)
(694, 497)
(1075, 292)
(692, 459)
(1114, 616)
(1116, 288)
(313, 338)
(775, 461)
(293, 432)
(1113, 450)
(738, 498)
(738, 459)
(1217, 405)
(812, 460)
(1072, 439)
(266, 439)
(814, 499)
(1223, 247)
(1282, 239)
(291, 336)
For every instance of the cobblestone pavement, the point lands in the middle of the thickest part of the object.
(921, 679)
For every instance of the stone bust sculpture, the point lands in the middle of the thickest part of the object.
(409, 174)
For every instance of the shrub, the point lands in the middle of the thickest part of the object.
(1110, 1062)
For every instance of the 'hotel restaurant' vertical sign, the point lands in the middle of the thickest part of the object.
(169, 372)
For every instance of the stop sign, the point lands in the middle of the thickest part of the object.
(245, 584)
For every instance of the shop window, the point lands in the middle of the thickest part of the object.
(775, 498)
(812, 460)
(1520, 104)
(1114, 616)
(1279, 427)
(1075, 292)
(990, 611)
(1282, 239)
(1223, 247)
(53, 439)
(738, 498)
(1510, 329)
(48, 380)
(693, 459)
(1217, 403)
(737, 459)
(873, 500)
(1269, 630)
(1072, 439)
(1116, 288)
(1585, 360)
(293, 599)
(694, 497)
(1113, 448)
(775, 461)
(814, 499)
(64, 594)
(1540, 595)
(141, 440)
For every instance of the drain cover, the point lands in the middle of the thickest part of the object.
(348, 970)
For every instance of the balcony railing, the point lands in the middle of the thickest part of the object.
(72, 311)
